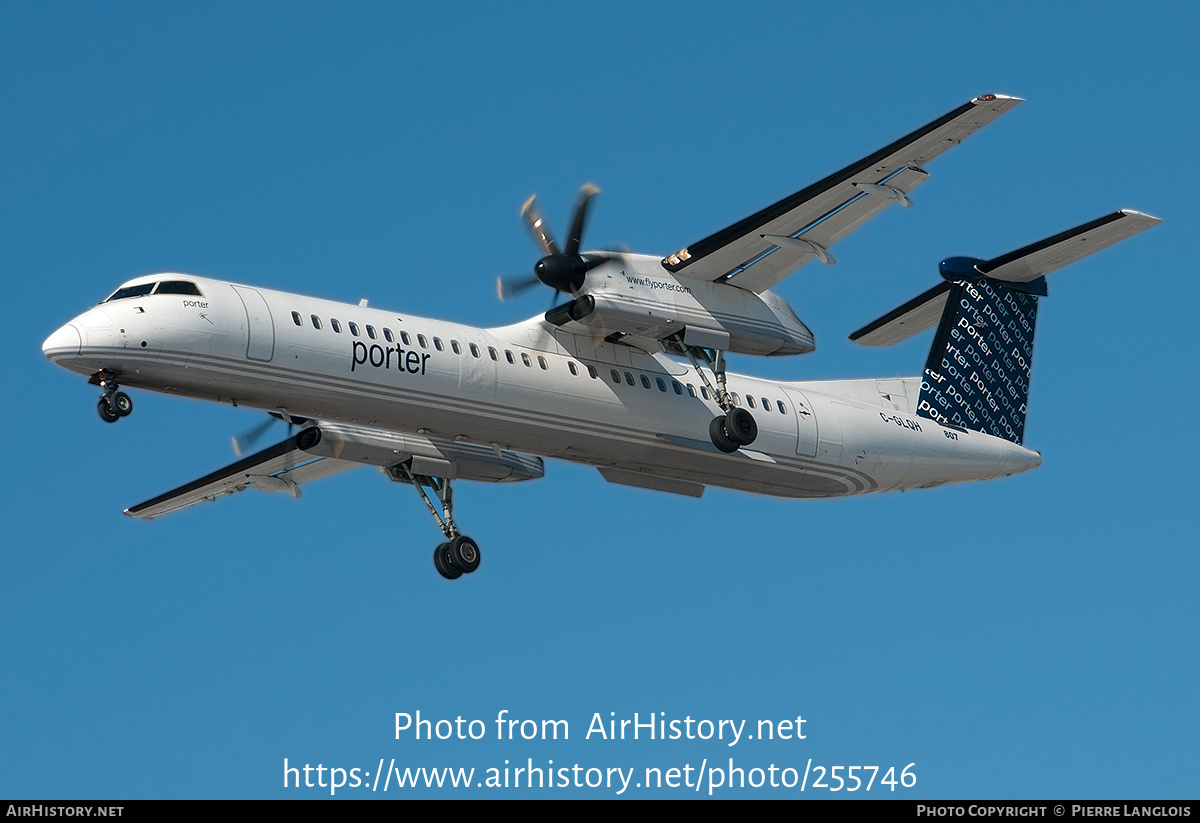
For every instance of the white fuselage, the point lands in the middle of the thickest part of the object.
(642, 418)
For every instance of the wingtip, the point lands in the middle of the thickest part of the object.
(1149, 218)
(528, 204)
(1001, 99)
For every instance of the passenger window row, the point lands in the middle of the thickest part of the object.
(678, 388)
(423, 342)
(617, 377)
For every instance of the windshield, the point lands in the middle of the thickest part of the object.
(165, 287)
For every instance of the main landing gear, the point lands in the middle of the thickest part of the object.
(737, 427)
(459, 555)
(113, 404)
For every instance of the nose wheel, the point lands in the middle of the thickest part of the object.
(113, 404)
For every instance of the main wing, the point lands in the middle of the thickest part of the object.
(758, 252)
(327, 448)
(282, 467)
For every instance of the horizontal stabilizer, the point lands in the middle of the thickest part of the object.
(916, 315)
(1041, 258)
(1025, 265)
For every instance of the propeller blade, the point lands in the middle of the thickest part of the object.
(511, 288)
(593, 260)
(576, 237)
(249, 438)
(538, 227)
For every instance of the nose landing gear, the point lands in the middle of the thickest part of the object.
(113, 404)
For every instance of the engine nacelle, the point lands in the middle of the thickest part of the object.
(619, 301)
(441, 458)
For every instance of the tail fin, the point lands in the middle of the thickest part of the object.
(977, 374)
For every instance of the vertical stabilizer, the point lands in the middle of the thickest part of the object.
(977, 374)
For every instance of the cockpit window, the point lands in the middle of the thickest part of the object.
(178, 287)
(131, 291)
(165, 287)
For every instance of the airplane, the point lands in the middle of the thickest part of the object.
(628, 375)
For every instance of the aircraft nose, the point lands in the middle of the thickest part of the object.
(64, 343)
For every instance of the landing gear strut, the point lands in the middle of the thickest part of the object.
(737, 427)
(460, 554)
(113, 404)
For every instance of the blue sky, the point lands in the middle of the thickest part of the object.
(1030, 637)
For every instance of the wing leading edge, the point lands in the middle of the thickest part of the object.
(762, 249)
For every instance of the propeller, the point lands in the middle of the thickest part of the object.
(565, 270)
(251, 436)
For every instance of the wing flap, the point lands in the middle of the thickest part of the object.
(784, 257)
(282, 467)
(735, 253)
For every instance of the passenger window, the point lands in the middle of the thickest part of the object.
(387, 335)
(704, 392)
(454, 345)
(661, 385)
(335, 325)
(474, 350)
(691, 389)
(750, 401)
(782, 409)
(404, 336)
(571, 366)
(316, 322)
(421, 339)
(766, 404)
(508, 356)
(525, 359)
(296, 318)
(629, 378)
(542, 362)
(353, 328)
(616, 377)
(678, 388)
(592, 372)
(437, 344)
(645, 381)
(492, 352)
(371, 332)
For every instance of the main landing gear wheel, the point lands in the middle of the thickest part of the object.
(740, 426)
(463, 554)
(459, 555)
(441, 561)
(733, 430)
(720, 438)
